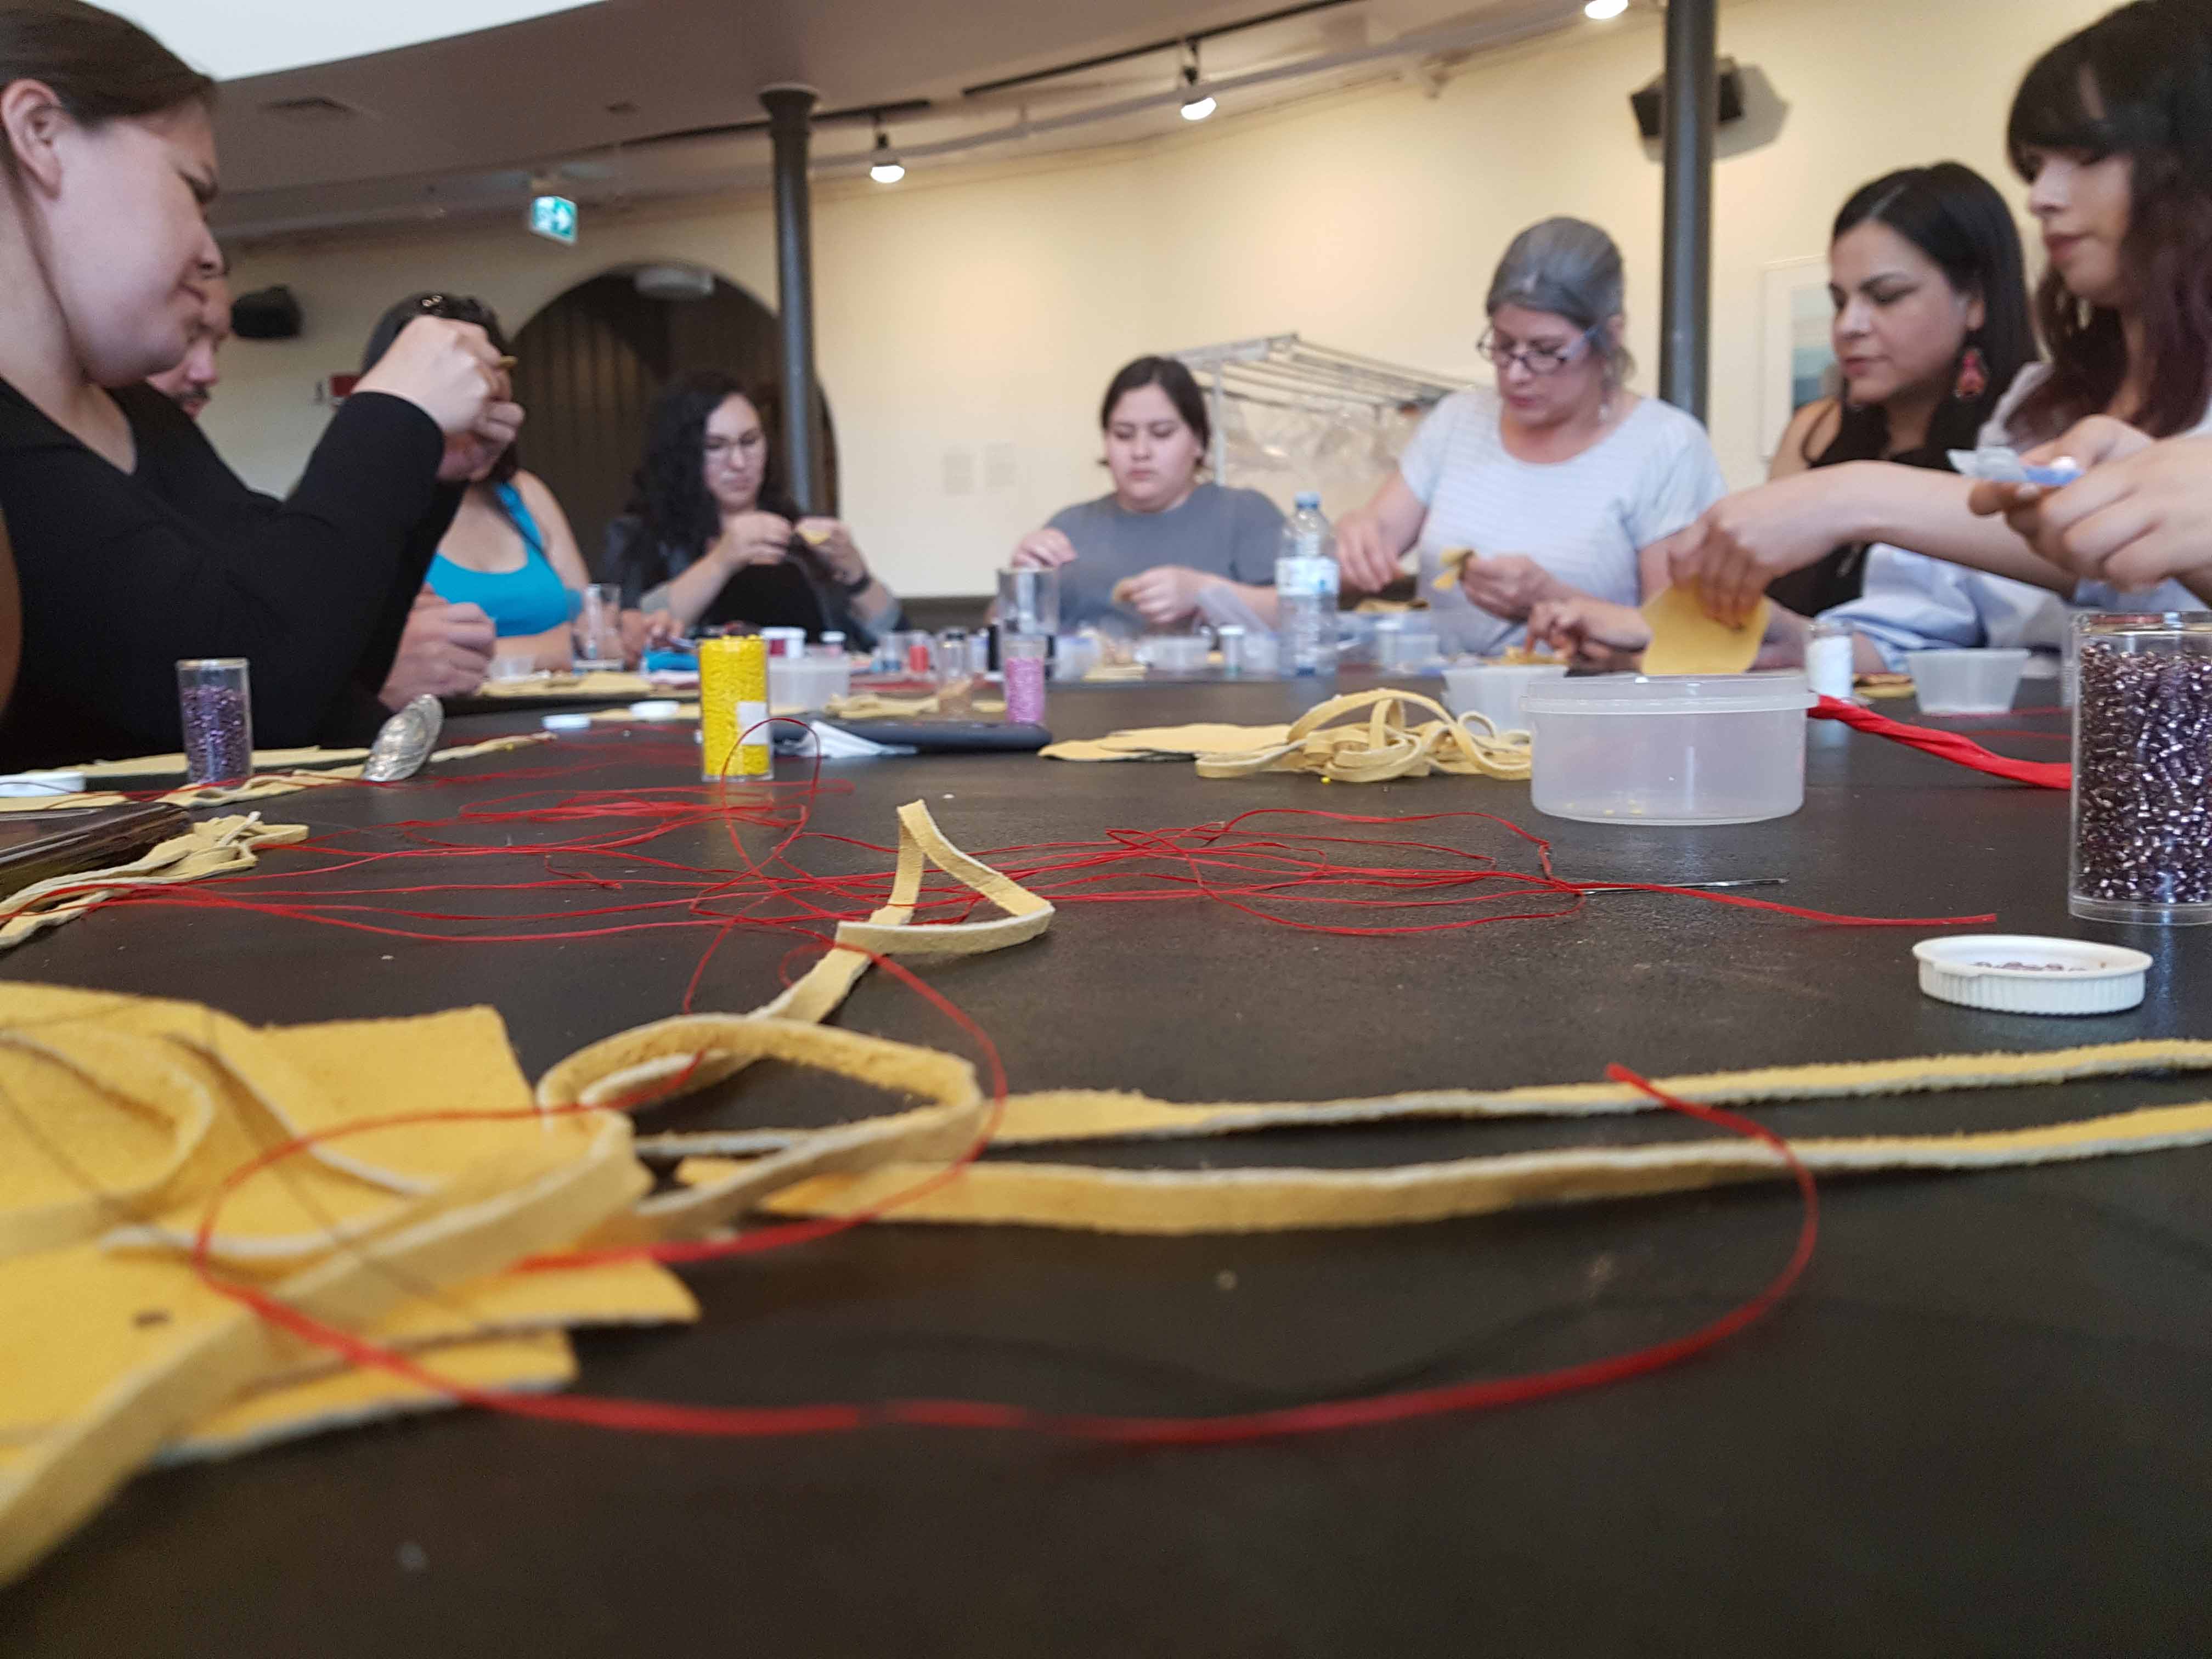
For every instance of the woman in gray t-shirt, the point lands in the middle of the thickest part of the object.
(1158, 546)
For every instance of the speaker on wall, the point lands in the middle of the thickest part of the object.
(1650, 102)
(267, 314)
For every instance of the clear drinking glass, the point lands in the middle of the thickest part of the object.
(599, 628)
(2143, 768)
(1029, 602)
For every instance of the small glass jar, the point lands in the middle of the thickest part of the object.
(2143, 768)
(1231, 638)
(1022, 662)
(215, 702)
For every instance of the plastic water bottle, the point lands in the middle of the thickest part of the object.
(1305, 590)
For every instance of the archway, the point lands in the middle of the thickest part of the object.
(590, 363)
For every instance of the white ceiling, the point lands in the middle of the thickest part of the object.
(582, 98)
(261, 37)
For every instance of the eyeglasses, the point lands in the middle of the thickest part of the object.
(1537, 359)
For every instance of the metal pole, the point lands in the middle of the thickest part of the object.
(790, 125)
(1693, 110)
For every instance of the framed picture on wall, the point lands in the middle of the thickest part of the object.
(1797, 363)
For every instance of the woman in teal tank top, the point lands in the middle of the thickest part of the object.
(509, 551)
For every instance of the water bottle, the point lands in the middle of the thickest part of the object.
(1305, 590)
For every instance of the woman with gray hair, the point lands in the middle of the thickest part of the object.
(1561, 479)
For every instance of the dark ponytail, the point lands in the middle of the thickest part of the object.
(101, 67)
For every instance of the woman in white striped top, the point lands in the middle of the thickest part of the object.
(1560, 479)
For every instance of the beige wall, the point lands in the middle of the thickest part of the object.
(982, 312)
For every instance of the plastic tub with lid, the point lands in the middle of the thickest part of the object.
(1680, 749)
(1979, 682)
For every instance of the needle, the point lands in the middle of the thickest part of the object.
(1693, 886)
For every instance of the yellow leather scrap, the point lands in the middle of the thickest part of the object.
(292, 770)
(137, 1383)
(1170, 743)
(873, 706)
(1449, 563)
(348, 1399)
(1281, 1200)
(213, 846)
(599, 683)
(1382, 742)
(1685, 640)
(633, 1064)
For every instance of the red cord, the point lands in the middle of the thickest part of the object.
(1953, 746)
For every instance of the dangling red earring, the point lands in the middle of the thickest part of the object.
(1973, 376)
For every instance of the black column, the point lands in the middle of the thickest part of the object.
(1693, 110)
(790, 112)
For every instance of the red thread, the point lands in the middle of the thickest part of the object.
(1953, 746)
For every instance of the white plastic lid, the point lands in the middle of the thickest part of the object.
(42, 783)
(657, 710)
(1669, 694)
(2021, 974)
(567, 722)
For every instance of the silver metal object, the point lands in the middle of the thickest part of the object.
(1686, 886)
(404, 741)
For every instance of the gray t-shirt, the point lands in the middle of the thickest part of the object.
(1235, 534)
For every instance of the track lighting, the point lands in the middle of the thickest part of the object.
(887, 168)
(1198, 104)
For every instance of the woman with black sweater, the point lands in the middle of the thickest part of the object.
(134, 545)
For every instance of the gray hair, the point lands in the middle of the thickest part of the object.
(1571, 269)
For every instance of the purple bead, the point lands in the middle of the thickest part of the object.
(218, 733)
(2142, 814)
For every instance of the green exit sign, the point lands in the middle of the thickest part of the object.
(555, 218)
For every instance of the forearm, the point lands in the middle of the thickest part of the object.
(1925, 512)
(554, 649)
(686, 597)
(873, 604)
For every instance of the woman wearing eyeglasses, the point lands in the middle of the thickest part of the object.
(1561, 479)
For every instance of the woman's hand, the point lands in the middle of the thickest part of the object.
(1043, 549)
(1592, 633)
(2140, 513)
(753, 539)
(1744, 542)
(469, 455)
(1364, 557)
(1164, 595)
(1509, 585)
(647, 631)
(448, 370)
(832, 539)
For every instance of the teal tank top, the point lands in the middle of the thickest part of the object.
(525, 601)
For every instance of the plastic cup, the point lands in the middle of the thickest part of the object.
(1494, 689)
(599, 628)
(1965, 681)
(1029, 601)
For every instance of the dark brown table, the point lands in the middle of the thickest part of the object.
(1979, 1427)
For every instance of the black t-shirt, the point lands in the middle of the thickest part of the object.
(125, 573)
(1839, 575)
(799, 592)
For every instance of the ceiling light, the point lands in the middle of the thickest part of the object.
(1601, 11)
(1199, 105)
(888, 169)
(262, 37)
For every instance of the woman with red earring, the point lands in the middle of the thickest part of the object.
(1931, 324)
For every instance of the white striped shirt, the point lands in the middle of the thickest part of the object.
(1584, 520)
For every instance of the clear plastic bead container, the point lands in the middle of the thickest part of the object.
(2143, 768)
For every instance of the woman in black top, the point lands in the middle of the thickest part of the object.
(711, 538)
(134, 545)
(1932, 325)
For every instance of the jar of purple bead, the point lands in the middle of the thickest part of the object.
(2143, 768)
(216, 705)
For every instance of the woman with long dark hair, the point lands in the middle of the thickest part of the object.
(509, 551)
(1931, 326)
(1164, 540)
(135, 546)
(712, 537)
(2112, 131)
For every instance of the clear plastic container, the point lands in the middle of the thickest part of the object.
(1494, 689)
(1965, 681)
(2143, 768)
(1175, 654)
(1029, 601)
(1829, 659)
(1685, 748)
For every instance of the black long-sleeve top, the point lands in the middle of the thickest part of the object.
(125, 573)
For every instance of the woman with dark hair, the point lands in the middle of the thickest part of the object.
(710, 535)
(509, 551)
(1161, 541)
(2112, 129)
(1560, 479)
(1932, 325)
(134, 545)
